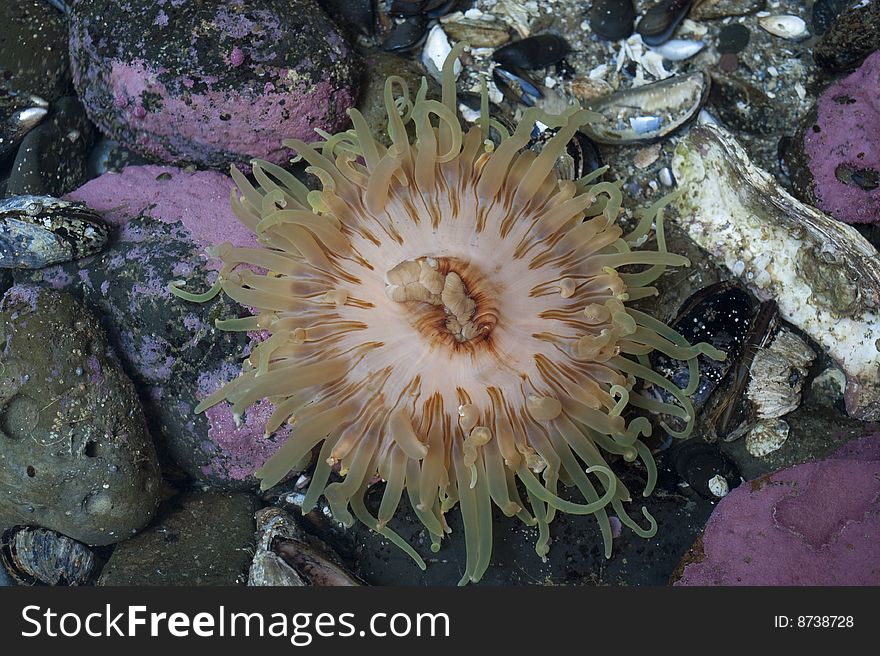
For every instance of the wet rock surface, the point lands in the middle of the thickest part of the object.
(850, 37)
(813, 524)
(241, 78)
(76, 456)
(576, 554)
(33, 49)
(52, 158)
(165, 218)
(199, 538)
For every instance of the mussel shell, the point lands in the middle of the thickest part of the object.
(537, 51)
(517, 86)
(650, 112)
(36, 231)
(407, 35)
(742, 106)
(38, 556)
(660, 21)
(612, 19)
(580, 157)
(721, 315)
(19, 113)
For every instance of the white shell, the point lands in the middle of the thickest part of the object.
(785, 26)
(718, 486)
(768, 436)
(435, 51)
(678, 49)
(824, 276)
(777, 375)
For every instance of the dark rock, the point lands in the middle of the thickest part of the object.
(380, 66)
(576, 553)
(240, 78)
(733, 38)
(33, 49)
(52, 159)
(813, 524)
(75, 454)
(851, 37)
(198, 539)
(165, 218)
(824, 12)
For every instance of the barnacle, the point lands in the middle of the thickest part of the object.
(450, 316)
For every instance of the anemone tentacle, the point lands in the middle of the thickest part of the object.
(449, 316)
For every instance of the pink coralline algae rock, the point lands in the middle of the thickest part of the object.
(813, 524)
(211, 82)
(164, 219)
(843, 147)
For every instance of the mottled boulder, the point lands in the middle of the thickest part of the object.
(198, 539)
(817, 523)
(165, 218)
(241, 76)
(75, 454)
(851, 36)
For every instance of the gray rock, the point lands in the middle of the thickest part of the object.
(33, 49)
(199, 539)
(75, 454)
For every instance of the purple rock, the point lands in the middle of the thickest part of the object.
(164, 218)
(842, 147)
(813, 524)
(211, 82)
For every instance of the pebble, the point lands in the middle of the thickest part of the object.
(200, 538)
(733, 38)
(240, 79)
(75, 453)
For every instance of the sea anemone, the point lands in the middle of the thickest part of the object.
(450, 317)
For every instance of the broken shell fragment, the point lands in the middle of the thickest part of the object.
(767, 436)
(287, 556)
(777, 375)
(649, 112)
(785, 27)
(823, 275)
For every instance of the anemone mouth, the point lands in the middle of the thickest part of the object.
(449, 316)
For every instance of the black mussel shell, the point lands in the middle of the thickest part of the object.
(517, 86)
(359, 14)
(697, 463)
(533, 52)
(437, 8)
(721, 315)
(660, 21)
(408, 35)
(612, 20)
(866, 178)
(824, 12)
(581, 156)
(405, 8)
